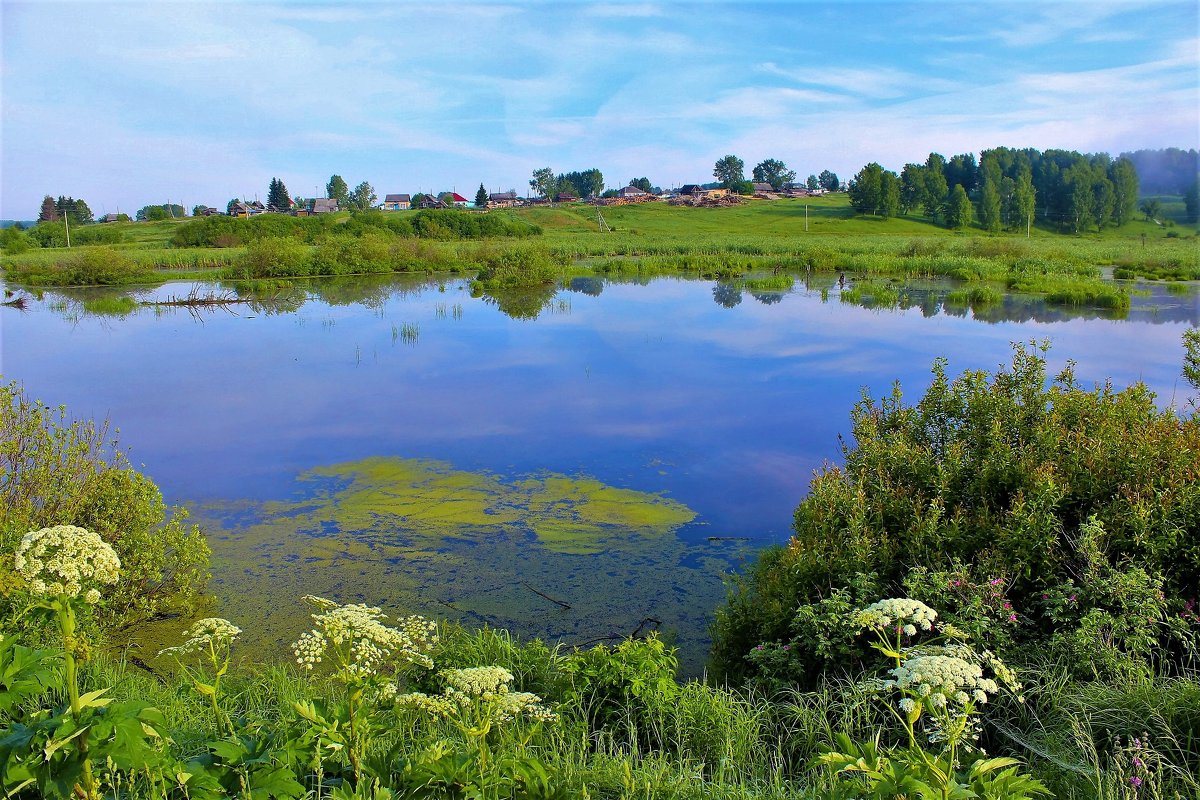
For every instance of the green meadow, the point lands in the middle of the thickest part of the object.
(821, 234)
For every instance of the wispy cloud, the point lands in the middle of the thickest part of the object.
(454, 93)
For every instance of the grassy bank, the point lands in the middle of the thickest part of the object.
(817, 234)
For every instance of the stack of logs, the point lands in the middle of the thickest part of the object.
(707, 202)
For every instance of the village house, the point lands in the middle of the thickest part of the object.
(396, 202)
(565, 197)
(630, 192)
(242, 209)
(503, 199)
(321, 205)
(454, 199)
(762, 188)
(429, 201)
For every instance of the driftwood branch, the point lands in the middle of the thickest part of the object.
(546, 596)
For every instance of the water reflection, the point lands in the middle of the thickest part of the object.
(665, 386)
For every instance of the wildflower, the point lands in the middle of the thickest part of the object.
(942, 679)
(360, 642)
(887, 613)
(1135, 781)
(205, 634)
(1012, 617)
(486, 689)
(907, 705)
(66, 560)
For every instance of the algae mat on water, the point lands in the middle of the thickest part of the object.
(565, 558)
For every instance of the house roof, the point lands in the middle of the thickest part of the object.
(453, 197)
(323, 204)
(509, 195)
(763, 187)
(397, 198)
(630, 191)
(691, 188)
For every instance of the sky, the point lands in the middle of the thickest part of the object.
(129, 104)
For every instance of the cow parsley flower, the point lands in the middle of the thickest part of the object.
(66, 560)
(206, 635)
(358, 642)
(943, 679)
(896, 612)
(482, 692)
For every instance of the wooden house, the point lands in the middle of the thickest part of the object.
(396, 202)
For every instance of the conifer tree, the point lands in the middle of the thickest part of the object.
(49, 212)
(277, 195)
(481, 197)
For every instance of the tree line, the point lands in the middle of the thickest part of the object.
(1006, 189)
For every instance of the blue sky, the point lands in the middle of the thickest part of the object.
(127, 104)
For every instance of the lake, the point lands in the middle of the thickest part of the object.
(584, 474)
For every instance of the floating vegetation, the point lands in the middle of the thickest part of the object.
(419, 535)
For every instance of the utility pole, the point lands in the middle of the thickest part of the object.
(806, 217)
(67, 222)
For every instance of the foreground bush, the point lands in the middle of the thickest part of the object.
(58, 471)
(1058, 519)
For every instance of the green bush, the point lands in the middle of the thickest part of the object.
(627, 690)
(54, 471)
(82, 266)
(274, 257)
(1030, 486)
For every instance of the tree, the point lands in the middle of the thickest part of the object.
(876, 191)
(991, 182)
(641, 183)
(49, 212)
(363, 197)
(277, 195)
(229, 206)
(75, 211)
(829, 181)
(729, 171)
(481, 197)
(198, 210)
(588, 183)
(1191, 202)
(912, 187)
(813, 183)
(958, 208)
(543, 183)
(962, 171)
(936, 188)
(337, 189)
(1151, 208)
(774, 172)
(1124, 179)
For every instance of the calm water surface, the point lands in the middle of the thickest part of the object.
(720, 401)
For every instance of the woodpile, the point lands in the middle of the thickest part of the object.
(706, 202)
(623, 201)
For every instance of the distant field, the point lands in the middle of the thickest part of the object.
(823, 234)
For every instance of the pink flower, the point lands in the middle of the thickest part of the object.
(1135, 781)
(996, 581)
(1012, 617)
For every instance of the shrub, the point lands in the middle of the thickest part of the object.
(1005, 474)
(82, 266)
(274, 258)
(55, 471)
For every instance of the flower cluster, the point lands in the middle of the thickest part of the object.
(478, 681)
(486, 689)
(209, 634)
(66, 560)
(435, 706)
(897, 612)
(358, 641)
(941, 680)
